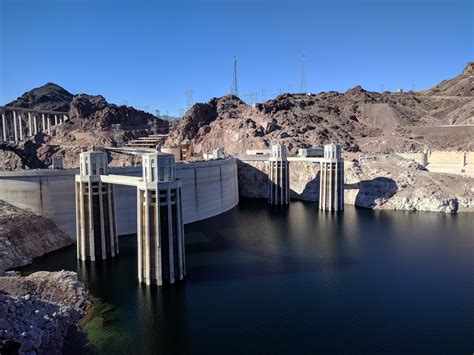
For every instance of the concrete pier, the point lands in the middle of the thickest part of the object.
(4, 128)
(279, 177)
(15, 127)
(30, 130)
(95, 213)
(20, 127)
(160, 231)
(19, 123)
(35, 125)
(331, 193)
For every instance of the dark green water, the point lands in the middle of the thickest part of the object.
(291, 282)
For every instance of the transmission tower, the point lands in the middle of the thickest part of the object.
(304, 82)
(234, 90)
(189, 98)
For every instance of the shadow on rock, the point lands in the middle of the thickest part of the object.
(373, 192)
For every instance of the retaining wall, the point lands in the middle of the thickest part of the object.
(461, 163)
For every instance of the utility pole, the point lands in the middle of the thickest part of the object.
(235, 85)
(304, 82)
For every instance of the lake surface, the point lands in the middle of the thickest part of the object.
(292, 281)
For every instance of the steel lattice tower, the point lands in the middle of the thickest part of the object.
(304, 82)
(235, 86)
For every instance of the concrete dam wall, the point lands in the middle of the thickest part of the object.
(208, 189)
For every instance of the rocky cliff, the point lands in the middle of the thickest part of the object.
(357, 119)
(91, 121)
(49, 97)
(391, 182)
(376, 181)
(36, 311)
(25, 235)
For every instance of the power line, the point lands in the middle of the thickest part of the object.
(304, 82)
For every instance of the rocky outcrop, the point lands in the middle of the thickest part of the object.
(36, 311)
(50, 97)
(357, 119)
(391, 182)
(25, 235)
(91, 123)
(376, 182)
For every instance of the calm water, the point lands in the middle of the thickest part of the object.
(294, 281)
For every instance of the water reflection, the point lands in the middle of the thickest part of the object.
(292, 280)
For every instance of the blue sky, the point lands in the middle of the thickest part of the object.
(148, 53)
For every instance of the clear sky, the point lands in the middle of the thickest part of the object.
(148, 53)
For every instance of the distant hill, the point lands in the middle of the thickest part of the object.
(49, 97)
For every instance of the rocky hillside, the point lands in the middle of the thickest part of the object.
(91, 120)
(36, 311)
(391, 182)
(378, 181)
(50, 97)
(357, 119)
(25, 235)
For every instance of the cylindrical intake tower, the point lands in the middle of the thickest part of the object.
(331, 191)
(278, 177)
(95, 213)
(160, 230)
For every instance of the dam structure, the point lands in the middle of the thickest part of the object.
(331, 192)
(306, 180)
(160, 227)
(95, 212)
(278, 177)
(160, 233)
(18, 123)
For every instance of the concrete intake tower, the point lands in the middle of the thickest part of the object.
(331, 190)
(95, 212)
(160, 231)
(278, 177)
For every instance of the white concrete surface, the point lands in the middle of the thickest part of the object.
(208, 189)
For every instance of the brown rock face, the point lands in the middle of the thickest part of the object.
(357, 119)
(25, 235)
(83, 105)
(469, 70)
(91, 120)
(47, 97)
